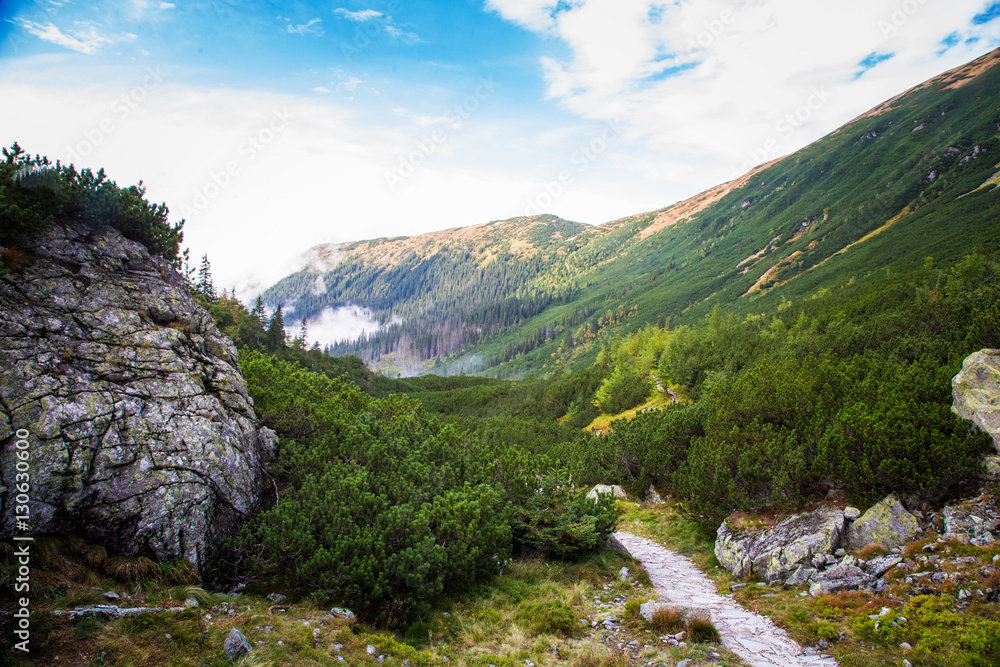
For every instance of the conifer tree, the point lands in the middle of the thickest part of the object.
(204, 284)
(300, 340)
(276, 331)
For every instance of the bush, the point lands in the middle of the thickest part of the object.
(896, 433)
(623, 390)
(385, 509)
(34, 193)
(551, 618)
(555, 520)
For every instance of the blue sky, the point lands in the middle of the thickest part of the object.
(273, 126)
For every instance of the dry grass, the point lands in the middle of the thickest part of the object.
(132, 570)
(667, 620)
(870, 551)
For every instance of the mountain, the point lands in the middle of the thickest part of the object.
(912, 180)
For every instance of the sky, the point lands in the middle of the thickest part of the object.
(271, 127)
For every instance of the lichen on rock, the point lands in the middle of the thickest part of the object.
(142, 435)
(776, 553)
(976, 392)
(887, 523)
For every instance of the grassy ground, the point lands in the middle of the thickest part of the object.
(658, 401)
(942, 625)
(531, 615)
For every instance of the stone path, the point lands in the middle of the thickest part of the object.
(751, 636)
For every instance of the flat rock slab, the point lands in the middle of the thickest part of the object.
(751, 636)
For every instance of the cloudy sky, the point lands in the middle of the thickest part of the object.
(270, 127)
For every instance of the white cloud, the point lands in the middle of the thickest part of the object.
(358, 17)
(532, 14)
(313, 27)
(366, 15)
(409, 38)
(719, 78)
(83, 39)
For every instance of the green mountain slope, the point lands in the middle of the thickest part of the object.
(913, 178)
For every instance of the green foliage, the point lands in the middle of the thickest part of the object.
(34, 193)
(557, 520)
(387, 508)
(550, 618)
(703, 631)
(896, 432)
(622, 390)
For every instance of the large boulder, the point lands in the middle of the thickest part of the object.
(138, 425)
(976, 392)
(886, 523)
(775, 553)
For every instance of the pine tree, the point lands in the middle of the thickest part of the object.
(276, 331)
(204, 284)
(300, 340)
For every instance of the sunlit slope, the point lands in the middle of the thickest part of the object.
(911, 179)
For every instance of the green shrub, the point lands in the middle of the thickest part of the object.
(703, 631)
(623, 390)
(34, 193)
(551, 618)
(385, 509)
(556, 520)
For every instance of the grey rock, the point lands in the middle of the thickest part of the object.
(775, 553)
(142, 434)
(971, 522)
(604, 489)
(803, 575)
(851, 513)
(624, 574)
(111, 595)
(340, 612)
(841, 571)
(276, 597)
(236, 645)
(976, 392)
(612, 542)
(886, 523)
(653, 497)
(876, 567)
(828, 586)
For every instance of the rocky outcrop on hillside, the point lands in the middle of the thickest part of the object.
(976, 392)
(139, 428)
(774, 553)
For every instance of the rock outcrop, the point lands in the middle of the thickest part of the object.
(976, 392)
(140, 431)
(887, 523)
(776, 553)
(605, 489)
(974, 521)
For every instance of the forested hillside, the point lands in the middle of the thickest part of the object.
(911, 179)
